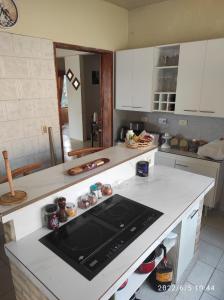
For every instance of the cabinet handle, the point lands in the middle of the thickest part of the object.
(125, 106)
(193, 214)
(190, 110)
(207, 111)
(180, 165)
(136, 106)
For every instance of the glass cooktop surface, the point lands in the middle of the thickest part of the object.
(92, 240)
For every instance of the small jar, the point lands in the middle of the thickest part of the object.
(83, 202)
(107, 190)
(129, 135)
(99, 185)
(93, 188)
(92, 198)
(51, 218)
(62, 216)
(70, 209)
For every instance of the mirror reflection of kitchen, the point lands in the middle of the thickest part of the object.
(79, 99)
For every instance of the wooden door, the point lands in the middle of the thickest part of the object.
(106, 101)
(106, 91)
(189, 80)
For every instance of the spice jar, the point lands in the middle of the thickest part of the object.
(96, 189)
(99, 185)
(92, 198)
(83, 202)
(62, 215)
(70, 209)
(51, 218)
(107, 190)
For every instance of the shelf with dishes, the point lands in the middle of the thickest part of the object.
(164, 102)
(166, 56)
(137, 279)
(166, 59)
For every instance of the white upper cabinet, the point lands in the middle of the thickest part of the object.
(142, 79)
(189, 80)
(212, 96)
(134, 79)
(124, 64)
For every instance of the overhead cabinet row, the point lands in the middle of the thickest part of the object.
(183, 79)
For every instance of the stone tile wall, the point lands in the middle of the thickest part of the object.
(28, 99)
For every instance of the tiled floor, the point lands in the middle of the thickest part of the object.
(205, 282)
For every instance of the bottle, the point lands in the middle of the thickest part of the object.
(129, 135)
(62, 215)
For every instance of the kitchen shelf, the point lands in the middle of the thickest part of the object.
(165, 93)
(164, 102)
(166, 60)
(166, 67)
(163, 111)
(136, 279)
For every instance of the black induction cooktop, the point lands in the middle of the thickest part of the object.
(91, 241)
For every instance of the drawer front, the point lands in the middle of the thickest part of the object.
(164, 159)
(201, 167)
(196, 166)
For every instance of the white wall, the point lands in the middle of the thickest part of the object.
(91, 23)
(28, 99)
(74, 99)
(176, 21)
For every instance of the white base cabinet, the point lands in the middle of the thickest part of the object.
(187, 240)
(198, 166)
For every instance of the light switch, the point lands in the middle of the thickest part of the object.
(183, 122)
(144, 119)
(44, 129)
(163, 121)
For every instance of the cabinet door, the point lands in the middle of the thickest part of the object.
(124, 65)
(164, 159)
(202, 168)
(187, 240)
(212, 102)
(142, 79)
(210, 172)
(189, 79)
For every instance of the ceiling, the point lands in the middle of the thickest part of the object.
(66, 52)
(131, 4)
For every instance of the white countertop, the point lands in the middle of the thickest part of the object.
(46, 182)
(168, 190)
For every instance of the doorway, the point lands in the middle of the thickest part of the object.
(85, 97)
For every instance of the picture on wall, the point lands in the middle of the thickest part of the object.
(69, 74)
(76, 83)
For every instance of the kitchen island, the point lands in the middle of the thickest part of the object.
(177, 194)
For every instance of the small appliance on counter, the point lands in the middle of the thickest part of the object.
(166, 137)
(122, 134)
(142, 168)
(137, 127)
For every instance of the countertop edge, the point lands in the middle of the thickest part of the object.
(88, 175)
